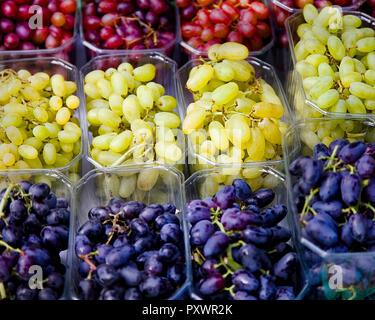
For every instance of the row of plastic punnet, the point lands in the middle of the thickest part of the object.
(52, 66)
(194, 53)
(206, 183)
(262, 70)
(166, 70)
(65, 51)
(357, 268)
(93, 51)
(304, 107)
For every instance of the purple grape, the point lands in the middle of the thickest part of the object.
(197, 213)
(359, 226)
(351, 152)
(245, 281)
(242, 189)
(330, 186)
(365, 166)
(350, 189)
(212, 284)
(320, 150)
(267, 289)
(333, 208)
(201, 232)
(286, 266)
(216, 244)
(225, 197)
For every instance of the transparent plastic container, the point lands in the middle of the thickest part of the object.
(100, 185)
(193, 53)
(70, 73)
(93, 51)
(199, 186)
(299, 140)
(60, 186)
(166, 70)
(305, 108)
(263, 70)
(65, 51)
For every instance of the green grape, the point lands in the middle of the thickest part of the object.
(371, 60)
(370, 77)
(300, 50)
(370, 104)
(323, 85)
(232, 51)
(328, 99)
(166, 103)
(103, 142)
(306, 69)
(199, 77)
(49, 154)
(145, 97)
(366, 44)
(104, 88)
(320, 33)
(167, 119)
(303, 29)
(11, 119)
(314, 46)
(144, 73)
(121, 142)
(362, 90)
(339, 107)
(243, 70)
(310, 13)
(347, 65)
(225, 93)
(131, 108)
(316, 59)
(352, 21)
(336, 48)
(310, 82)
(355, 105)
(325, 69)
(348, 78)
(365, 33)
(157, 90)
(119, 84)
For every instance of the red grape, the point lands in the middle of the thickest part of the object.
(261, 10)
(188, 12)
(9, 9)
(11, 41)
(194, 42)
(56, 32)
(114, 42)
(256, 42)
(143, 4)
(51, 42)
(205, 3)
(189, 30)
(69, 22)
(68, 6)
(263, 29)
(235, 36)
(182, 3)
(219, 16)
(107, 6)
(207, 34)
(40, 35)
(151, 18)
(281, 16)
(27, 45)
(58, 19)
(53, 6)
(249, 16)
(246, 29)
(66, 36)
(106, 32)
(158, 6)
(23, 12)
(302, 3)
(203, 16)
(221, 30)
(125, 8)
(92, 36)
(23, 31)
(322, 3)
(6, 25)
(109, 19)
(89, 9)
(41, 3)
(231, 11)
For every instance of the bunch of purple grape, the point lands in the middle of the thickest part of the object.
(335, 195)
(130, 24)
(34, 230)
(239, 251)
(130, 251)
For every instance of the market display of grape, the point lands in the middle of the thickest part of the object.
(130, 251)
(136, 25)
(239, 251)
(236, 117)
(336, 67)
(208, 22)
(38, 126)
(17, 32)
(130, 116)
(34, 231)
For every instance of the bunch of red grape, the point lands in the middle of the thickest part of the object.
(207, 22)
(129, 24)
(16, 29)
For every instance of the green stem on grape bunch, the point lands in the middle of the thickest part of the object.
(334, 167)
(230, 289)
(198, 257)
(331, 159)
(230, 261)
(365, 183)
(8, 247)
(351, 168)
(264, 272)
(219, 224)
(369, 206)
(306, 206)
(5, 199)
(350, 209)
(3, 293)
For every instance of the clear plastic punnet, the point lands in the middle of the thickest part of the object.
(166, 70)
(93, 51)
(52, 66)
(205, 183)
(331, 273)
(263, 70)
(149, 184)
(59, 185)
(193, 53)
(304, 107)
(64, 51)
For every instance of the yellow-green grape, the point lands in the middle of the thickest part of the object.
(39, 80)
(355, 105)
(23, 74)
(66, 147)
(121, 142)
(349, 39)
(103, 142)
(362, 90)
(34, 142)
(225, 93)
(243, 70)
(115, 102)
(72, 102)
(352, 21)
(366, 44)
(127, 186)
(63, 116)
(109, 118)
(131, 108)
(11, 119)
(193, 120)
(49, 154)
(167, 119)
(244, 105)
(14, 135)
(316, 59)
(58, 85)
(70, 87)
(145, 97)
(168, 151)
(350, 77)
(141, 130)
(365, 33)
(267, 110)
(197, 137)
(30, 94)
(325, 69)
(119, 84)
(300, 50)
(145, 73)
(314, 46)
(339, 107)
(166, 103)
(55, 103)
(370, 104)
(270, 131)
(323, 85)
(328, 99)
(94, 76)
(310, 13)
(232, 51)
(40, 114)
(304, 29)
(371, 60)
(238, 130)
(157, 89)
(9, 159)
(359, 66)
(27, 152)
(125, 66)
(199, 77)
(224, 72)
(370, 77)
(256, 145)
(306, 69)
(310, 82)
(107, 158)
(207, 147)
(65, 136)
(335, 47)
(92, 91)
(104, 87)
(218, 135)
(147, 179)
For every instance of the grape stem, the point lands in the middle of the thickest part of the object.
(230, 289)
(4, 200)
(3, 292)
(306, 206)
(4, 244)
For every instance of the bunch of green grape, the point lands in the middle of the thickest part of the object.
(37, 124)
(236, 117)
(130, 116)
(336, 60)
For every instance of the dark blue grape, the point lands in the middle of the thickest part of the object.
(131, 275)
(200, 232)
(368, 193)
(286, 266)
(350, 189)
(171, 233)
(175, 273)
(111, 294)
(12, 235)
(245, 280)
(25, 293)
(330, 186)
(197, 213)
(253, 209)
(149, 213)
(346, 234)
(82, 245)
(102, 251)
(322, 233)
(39, 191)
(256, 235)
(34, 241)
(55, 281)
(365, 166)
(99, 213)
(264, 197)
(106, 275)
(285, 293)
(119, 256)
(359, 226)
(371, 233)
(210, 203)
(165, 218)
(51, 201)
(280, 234)
(309, 168)
(18, 210)
(225, 197)
(4, 270)
(243, 295)
(25, 185)
(153, 287)
(272, 216)
(320, 150)
(132, 209)
(267, 288)
(212, 284)
(139, 226)
(340, 143)
(121, 241)
(53, 239)
(83, 269)
(351, 152)
(169, 253)
(333, 208)
(57, 217)
(208, 267)
(339, 248)
(241, 189)
(62, 203)
(132, 294)
(48, 294)
(88, 289)
(251, 257)
(234, 219)
(153, 266)
(144, 243)
(92, 229)
(216, 244)
(32, 224)
(169, 207)
(41, 209)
